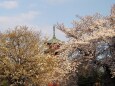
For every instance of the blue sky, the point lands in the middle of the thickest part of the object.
(42, 14)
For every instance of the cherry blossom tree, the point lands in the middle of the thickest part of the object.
(23, 62)
(91, 44)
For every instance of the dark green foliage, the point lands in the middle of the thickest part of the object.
(86, 81)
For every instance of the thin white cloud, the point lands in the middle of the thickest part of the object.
(27, 19)
(9, 4)
(21, 19)
(57, 1)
